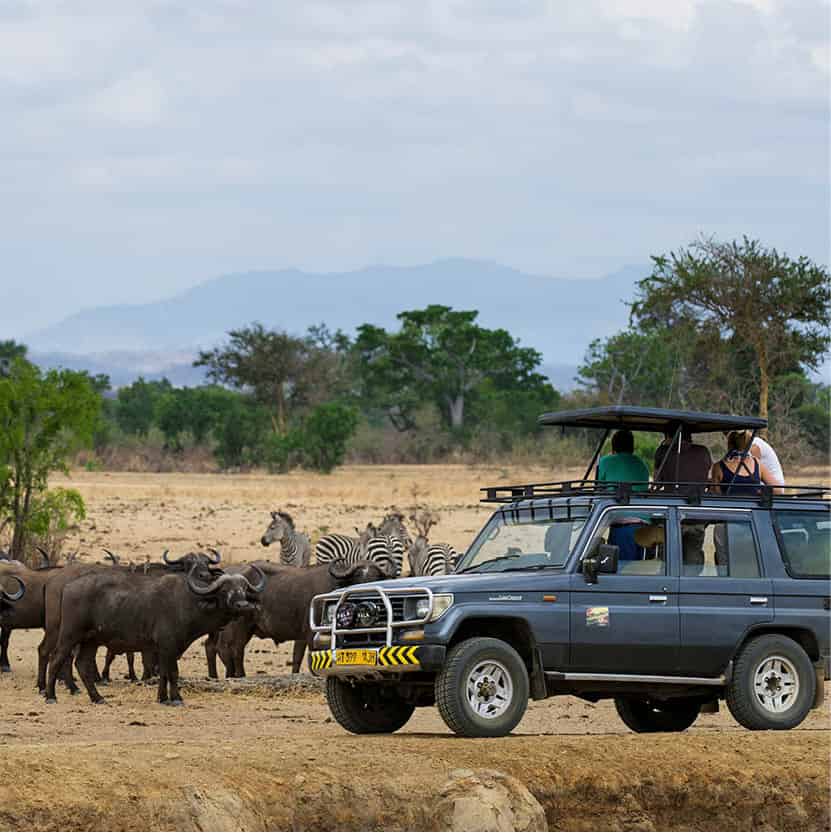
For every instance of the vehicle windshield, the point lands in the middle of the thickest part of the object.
(523, 540)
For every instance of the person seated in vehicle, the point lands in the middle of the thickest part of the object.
(623, 465)
(764, 452)
(691, 463)
(739, 472)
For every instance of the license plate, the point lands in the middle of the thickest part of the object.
(355, 657)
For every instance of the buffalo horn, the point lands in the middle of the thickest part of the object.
(341, 569)
(45, 556)
(170, 561)
(214, 556)
(206, 589)
(13, 597)
(260, 585)
(112, 556)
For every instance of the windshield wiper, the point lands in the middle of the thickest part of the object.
(491, 561)
(532, 567)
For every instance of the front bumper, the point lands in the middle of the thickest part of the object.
(390, 660)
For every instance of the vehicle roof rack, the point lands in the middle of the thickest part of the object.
(693, 492)
(636, 418)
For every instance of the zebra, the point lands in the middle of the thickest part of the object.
(393, 525)
(428, 559)
(335, 547)
(295, 549)
(387, 552)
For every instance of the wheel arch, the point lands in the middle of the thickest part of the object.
(516, 632)
(804, 637)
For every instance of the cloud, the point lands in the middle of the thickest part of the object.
(558, 137)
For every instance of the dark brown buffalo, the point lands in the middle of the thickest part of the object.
(283, 614)
(136, 611)
(206, 565)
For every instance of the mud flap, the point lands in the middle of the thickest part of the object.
(819, 694)
(538, 687)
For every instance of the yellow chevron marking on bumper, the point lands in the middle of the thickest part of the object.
(387, 657)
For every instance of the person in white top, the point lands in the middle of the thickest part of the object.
(763, 451)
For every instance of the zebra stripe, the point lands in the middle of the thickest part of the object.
(336, 547)
(441, 560)
(387, 552)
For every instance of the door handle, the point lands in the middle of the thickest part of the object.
(758, 600)
(657, 599)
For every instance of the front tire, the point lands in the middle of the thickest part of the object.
(657, 716)
(366, 709)
(482, 691)
(773, 684)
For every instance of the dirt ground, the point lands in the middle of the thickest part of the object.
(257, 756)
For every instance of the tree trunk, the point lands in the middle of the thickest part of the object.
(280, 424)
(764, 385)
(457, 411)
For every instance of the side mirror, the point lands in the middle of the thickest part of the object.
(603, 559)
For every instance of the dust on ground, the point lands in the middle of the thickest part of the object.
(258, 756)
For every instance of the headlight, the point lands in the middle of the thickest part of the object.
(328, 612)
(419, 608)
(441, 604)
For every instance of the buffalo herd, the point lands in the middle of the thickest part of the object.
(160, 609)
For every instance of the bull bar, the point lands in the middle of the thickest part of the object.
(339, 596)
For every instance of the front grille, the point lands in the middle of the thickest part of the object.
(396, 602)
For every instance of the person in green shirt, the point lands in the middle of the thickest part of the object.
(622, 465)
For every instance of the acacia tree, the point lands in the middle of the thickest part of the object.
(442, 356)
(779, 307)
(269, 363)
(43, 417)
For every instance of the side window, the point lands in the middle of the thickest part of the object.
(806, 542)
(640, 538)
(719, 546)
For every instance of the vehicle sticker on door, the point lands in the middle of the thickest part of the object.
(597, 617)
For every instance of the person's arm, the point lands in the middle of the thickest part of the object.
(715, 474)
(769, 480)
(756, 451)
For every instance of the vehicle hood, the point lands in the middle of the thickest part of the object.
(477, 583)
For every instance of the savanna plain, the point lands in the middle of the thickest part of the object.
(264, 754)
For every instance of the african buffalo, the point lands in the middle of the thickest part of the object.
(134, 611)
(283, 614)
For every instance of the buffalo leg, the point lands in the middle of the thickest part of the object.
(105, 671)
(61, 655)
(43, 662)
(131, 667)
(66, 677)
(150, 661)
(210, 655)
(87, 669)
(173, 682)
(297, 657)
(5, 633)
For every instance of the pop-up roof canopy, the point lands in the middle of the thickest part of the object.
(650, 419)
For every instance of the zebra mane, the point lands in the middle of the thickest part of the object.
(286, 517)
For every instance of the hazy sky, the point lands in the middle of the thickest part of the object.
(146, 146)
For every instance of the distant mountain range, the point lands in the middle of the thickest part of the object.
(557, 316)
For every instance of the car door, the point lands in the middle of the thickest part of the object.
(627, 623)
(723, 591)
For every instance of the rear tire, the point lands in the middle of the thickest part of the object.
(657, 715)
(366, 709)
(773, 684)
(482, 691)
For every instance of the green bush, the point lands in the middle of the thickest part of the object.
(325, 434)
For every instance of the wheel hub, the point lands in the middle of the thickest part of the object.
(776, 684)
(489, 689)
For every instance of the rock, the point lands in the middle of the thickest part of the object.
(218, 809)
(487, 800)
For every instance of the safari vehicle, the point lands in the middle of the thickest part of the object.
(727, 598)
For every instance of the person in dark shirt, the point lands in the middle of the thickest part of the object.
(691, 463)
(693, 460)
